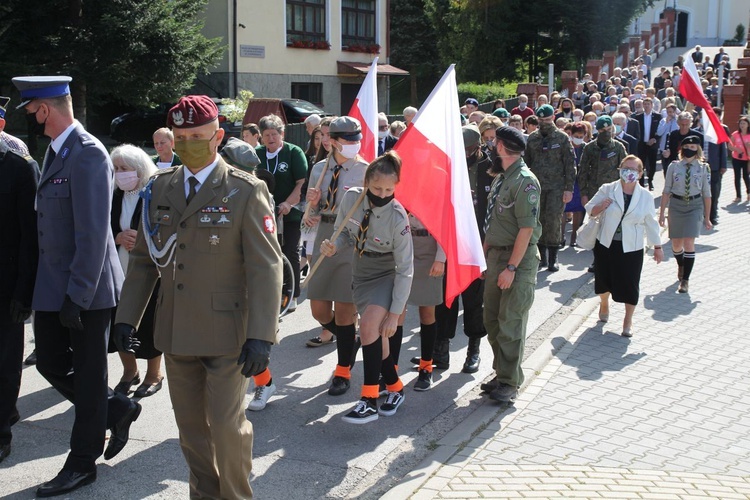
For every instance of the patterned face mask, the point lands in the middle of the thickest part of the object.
(628, 176)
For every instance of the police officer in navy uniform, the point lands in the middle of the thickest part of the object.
(18, 262)
(78, 280)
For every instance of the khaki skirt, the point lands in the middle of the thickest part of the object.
(333, 279)
(426, 290)
(685, 218)
(373, 280)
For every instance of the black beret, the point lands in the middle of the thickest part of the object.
(512, 138)
(691, 139)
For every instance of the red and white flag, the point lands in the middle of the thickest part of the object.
(691, 89)
(365, 109)
(435, 186)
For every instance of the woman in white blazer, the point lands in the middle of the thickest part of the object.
(618, 253)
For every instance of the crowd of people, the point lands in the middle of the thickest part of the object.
(146, 255)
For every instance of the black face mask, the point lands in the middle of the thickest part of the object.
(546, 128)
(377, 201)
(604, 136)
(689, 153)
(566, 110)
(36, 128)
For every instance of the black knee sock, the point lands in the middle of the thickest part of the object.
(394, 343)
(388, 370)
(330, 326)
(678, 256)
(372, 355)
(688, 262)
(427, 334)
(345, 343)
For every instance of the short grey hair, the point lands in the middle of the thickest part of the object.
(313, 120)
(410, 110)
(165, 131)
(620, 117)
(685, 115)
(269, 122)
(136, 159)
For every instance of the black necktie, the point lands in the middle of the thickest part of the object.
(193, 188)
(332, 188)
(362, 236)
(49, 158)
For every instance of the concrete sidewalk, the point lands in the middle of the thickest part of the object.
(665, 414)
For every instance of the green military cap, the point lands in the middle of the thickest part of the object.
(501, 113)
(240, 154)
(545, 111)
(347, 128)
(512, 138)
(603, 122)
(471, 135)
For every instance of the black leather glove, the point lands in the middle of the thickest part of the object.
(255, 356)
(70, 314)
(18, 312)
(124, 337)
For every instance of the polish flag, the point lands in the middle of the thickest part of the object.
(365, 109)
(691, 89)
(435, 186)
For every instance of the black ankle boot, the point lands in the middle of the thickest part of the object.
(553, 267)
(471, 365)
(441, 354)
(543, 253)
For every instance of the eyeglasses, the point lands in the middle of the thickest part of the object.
(383, 128)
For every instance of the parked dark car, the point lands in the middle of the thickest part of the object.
(138, 127)
(289, 110)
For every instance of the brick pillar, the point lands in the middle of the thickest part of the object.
(670, 15)
(569, 81)
(542, 89)
(635, 44)
(732, 98)
(743, 63)
(609, 58)
(594, 67)
(622, 50)
(646, 39)
(530, 90)
(664, 27)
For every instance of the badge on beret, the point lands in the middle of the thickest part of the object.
(268, 224)
(177, 118)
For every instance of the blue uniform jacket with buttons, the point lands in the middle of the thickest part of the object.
(77, 254)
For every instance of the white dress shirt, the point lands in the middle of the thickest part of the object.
(200, 176)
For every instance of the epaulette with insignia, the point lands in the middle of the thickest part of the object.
(245, 176)
(86, 140)
(163, 171)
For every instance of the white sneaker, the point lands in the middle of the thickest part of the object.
(293, 305)
(261, 397)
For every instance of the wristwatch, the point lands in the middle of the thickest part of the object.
(511, 268)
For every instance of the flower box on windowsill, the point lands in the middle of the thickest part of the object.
(366, 49)
(309, 44)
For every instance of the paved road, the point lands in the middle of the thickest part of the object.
(662, 415)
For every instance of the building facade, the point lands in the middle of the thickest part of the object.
(699, 22)
(316, 50)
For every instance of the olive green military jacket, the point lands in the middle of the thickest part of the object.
(551, 159)
(599, 166)
(222, 286)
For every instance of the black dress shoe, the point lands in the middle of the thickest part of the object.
(66, 481)
(30, 359)
(504, 393)
(489, 386)
(4, 451)
(123, 387)
(145, 390)
(121, 432)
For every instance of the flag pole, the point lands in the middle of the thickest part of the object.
(317, 186)
(336, 234)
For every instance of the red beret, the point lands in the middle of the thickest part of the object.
(192, 111)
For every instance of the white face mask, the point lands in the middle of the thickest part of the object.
(349, 150)
(271, 155)
(576, 118)
(522, 105)
(382, 134)
(127, 181)
(577, 140)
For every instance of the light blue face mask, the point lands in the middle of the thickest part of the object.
(618, 129)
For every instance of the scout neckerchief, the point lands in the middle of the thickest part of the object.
(686, 196)
(492, 200)
(332, 188)
(362, 235)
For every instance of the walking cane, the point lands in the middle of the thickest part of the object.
(336, 235)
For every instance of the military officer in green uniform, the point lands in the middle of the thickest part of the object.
(512, 230)
(600, 161)
(549, 155)
(209, 231)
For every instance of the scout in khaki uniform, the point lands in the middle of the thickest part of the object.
(512, 230)
(208, 230)
(382, 270)
(332, 284)
(549, 154)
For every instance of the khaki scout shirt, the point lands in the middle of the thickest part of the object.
(700, 179)
(352, 175)
(550, 157)
(599, 166)
(388, 232)
(222, 286)
(516, 206)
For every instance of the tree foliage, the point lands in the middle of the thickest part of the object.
(137, 52)
(494, 39)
